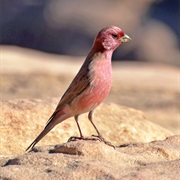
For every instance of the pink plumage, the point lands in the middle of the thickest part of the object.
(92, 83)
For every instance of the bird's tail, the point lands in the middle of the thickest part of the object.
(41, 135)
(53, 121)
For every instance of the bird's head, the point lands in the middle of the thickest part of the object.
(110, 38)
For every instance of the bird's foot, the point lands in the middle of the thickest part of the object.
(75, 138)
(103, 140)
(93, 137)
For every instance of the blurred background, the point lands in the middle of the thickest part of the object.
(69, 27)
(44, 42)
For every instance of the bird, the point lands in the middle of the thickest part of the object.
(90, 86)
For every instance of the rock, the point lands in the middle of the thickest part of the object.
(95, 160)
(22, 120)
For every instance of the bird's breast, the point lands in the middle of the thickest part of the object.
(100, 80)
(100, 74)
(101, 77)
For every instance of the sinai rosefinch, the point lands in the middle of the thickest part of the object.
(91, 85)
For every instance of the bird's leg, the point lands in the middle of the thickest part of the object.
(90, 117)
(73, 138)
(76, 119)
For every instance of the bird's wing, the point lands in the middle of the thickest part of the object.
(77, 86)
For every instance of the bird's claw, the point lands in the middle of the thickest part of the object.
(75, 138)
(93, 137)
(103, 140)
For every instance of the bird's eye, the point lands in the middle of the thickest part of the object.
(115, 36)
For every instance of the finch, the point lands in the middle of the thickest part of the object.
(91, 85)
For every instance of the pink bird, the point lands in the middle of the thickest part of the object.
(91, 85)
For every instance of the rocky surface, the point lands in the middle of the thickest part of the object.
(95, 160)
(22, 120)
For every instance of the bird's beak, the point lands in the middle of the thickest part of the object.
(125, 38)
